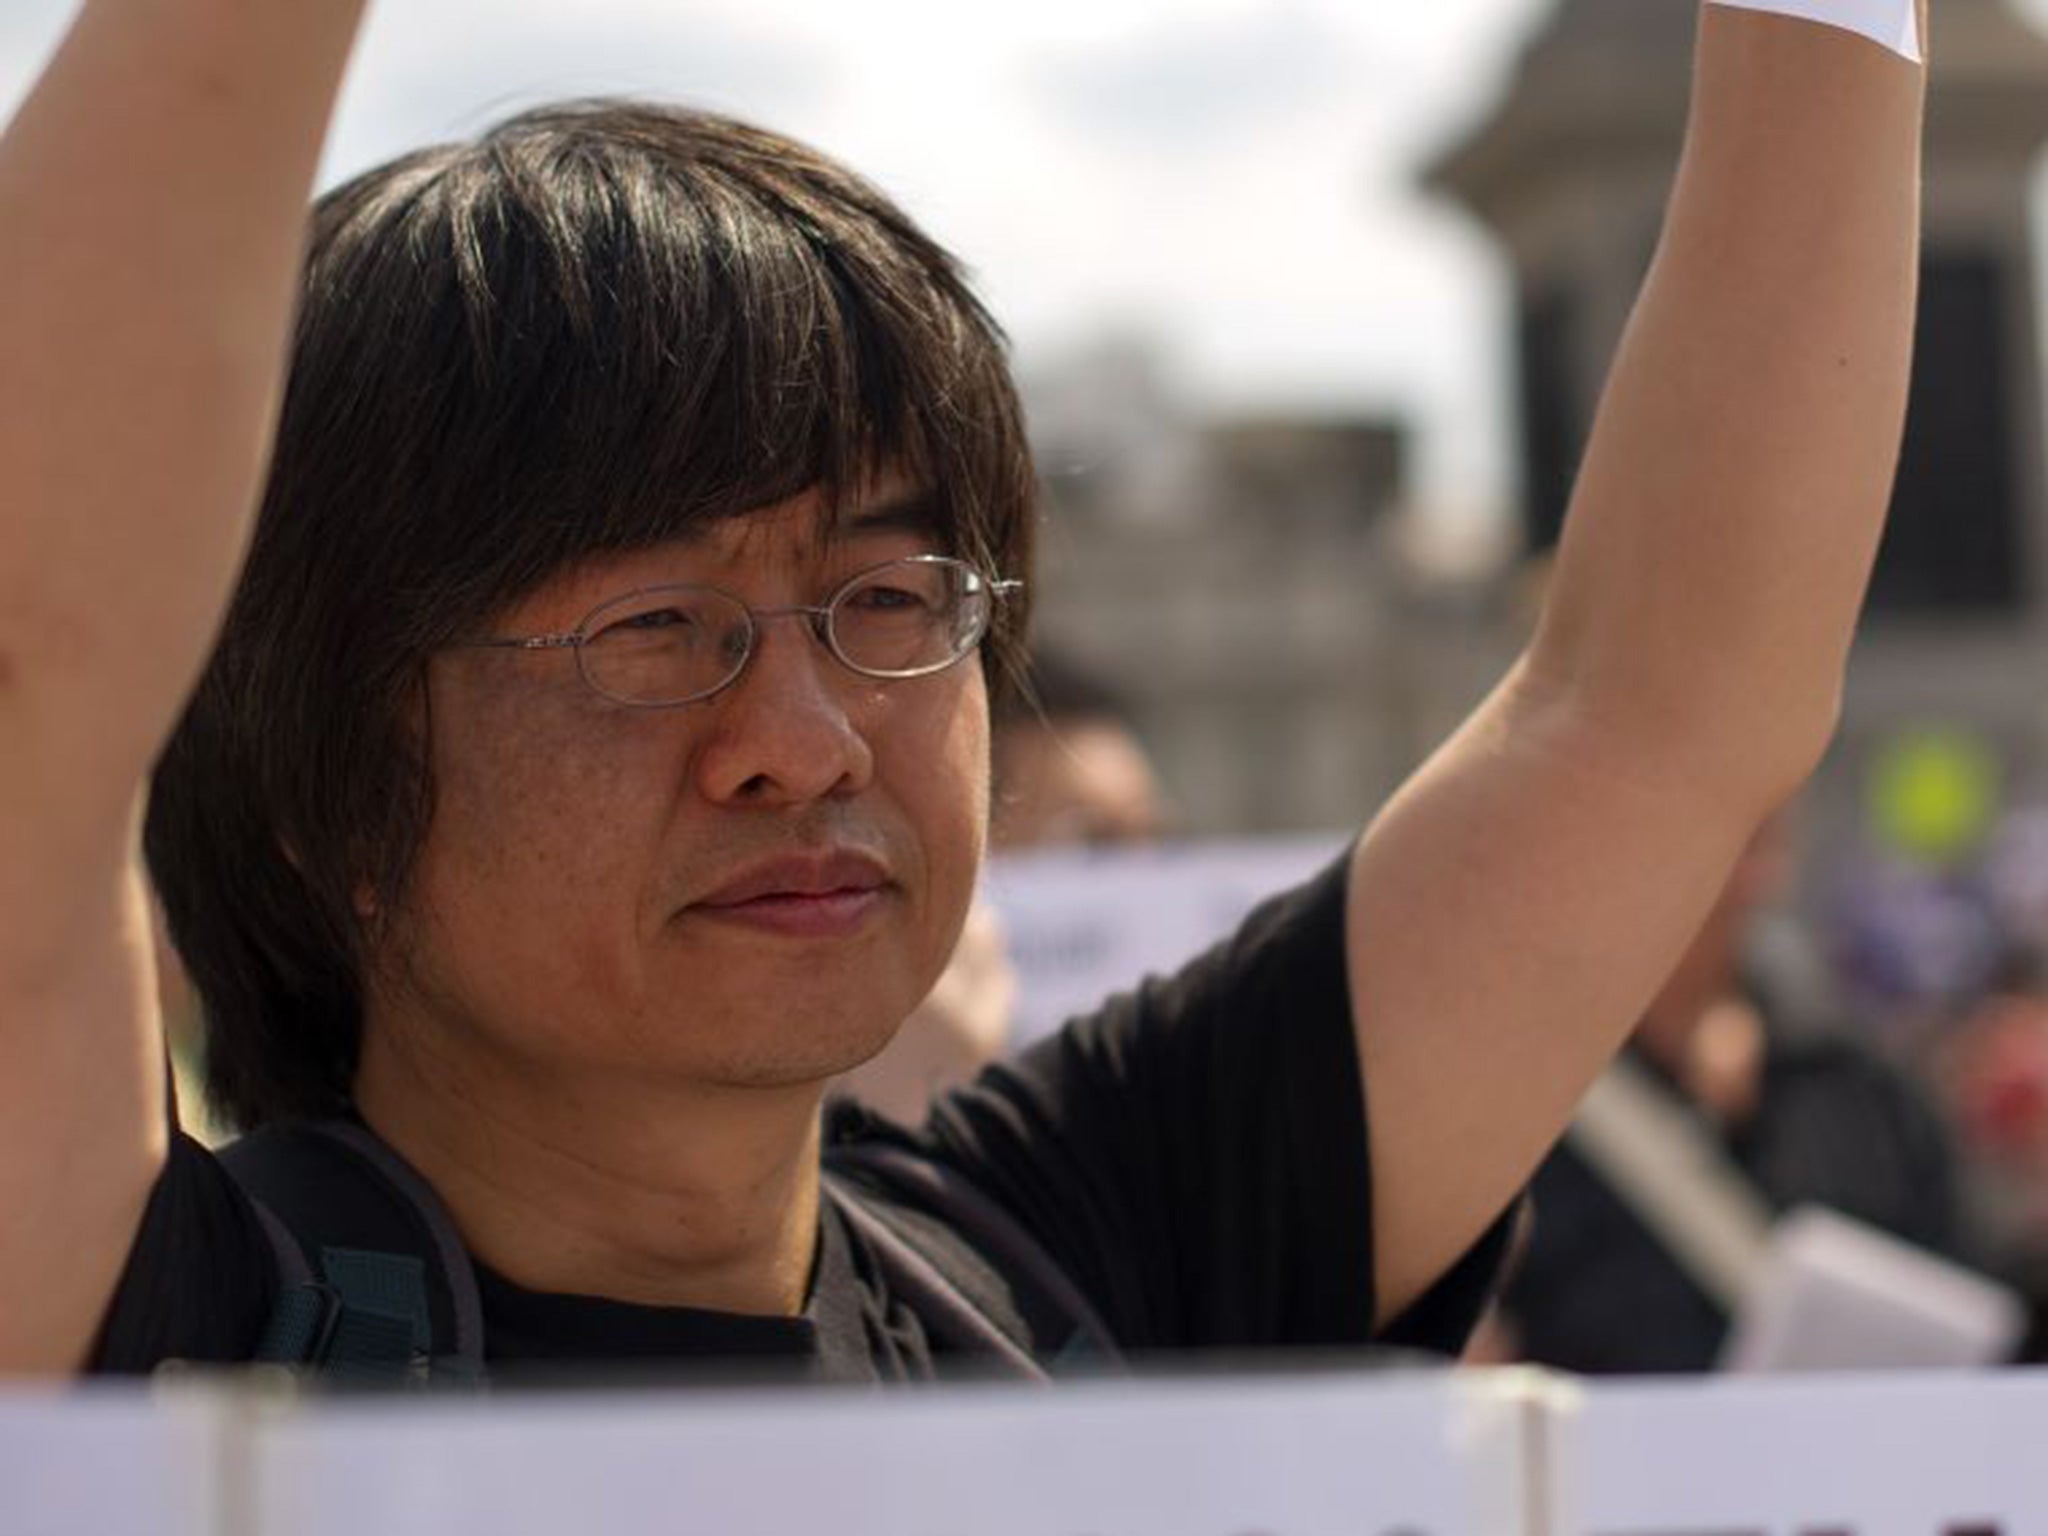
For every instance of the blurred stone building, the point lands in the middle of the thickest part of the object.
(1570, 173)
(1245, 583)
(1241, 583)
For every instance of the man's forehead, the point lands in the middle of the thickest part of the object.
(802, 530)
(816, 520)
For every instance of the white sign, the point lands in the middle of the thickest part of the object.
(1084, 924)
(1834, 1293)
(1338, 1455)
(1962, 1455)
(1467, 1453)
(109, 1459)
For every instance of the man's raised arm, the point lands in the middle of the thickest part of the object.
(1518, 903)
(152, 203)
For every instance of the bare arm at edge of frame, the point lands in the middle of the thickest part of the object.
(1517, 903)
(153, 191)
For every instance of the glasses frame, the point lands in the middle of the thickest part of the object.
(818, 615)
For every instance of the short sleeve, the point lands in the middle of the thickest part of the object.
(1195, 1153)
(200, 1280)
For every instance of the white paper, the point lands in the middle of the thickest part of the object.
(111, 1459)
(1339, 1455)
(1873, 1455)
(1894, 23)
(1459, 1454)
(1837, 1294)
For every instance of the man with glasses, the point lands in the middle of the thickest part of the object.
(589, 760)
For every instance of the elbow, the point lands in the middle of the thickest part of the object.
(1733, 743)
(1807, 742)
(1762, 749)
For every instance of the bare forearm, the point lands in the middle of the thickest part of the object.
(152, 196)
(1734, 491)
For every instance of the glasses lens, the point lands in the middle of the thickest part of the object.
(910, 616)
(665, 645)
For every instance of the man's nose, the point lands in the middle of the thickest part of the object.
(786, 732)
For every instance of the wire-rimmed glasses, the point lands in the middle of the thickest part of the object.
(663, 646)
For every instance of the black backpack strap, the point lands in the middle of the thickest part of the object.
(1017, 1289)
(302, 1319)
(375, 1284)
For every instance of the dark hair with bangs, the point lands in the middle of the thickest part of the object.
(601, 325)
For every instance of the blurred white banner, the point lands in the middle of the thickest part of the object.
(113, 1459)
(1849, 1456)
(1084, 923)
(1331, 1454)
(1318, 1456)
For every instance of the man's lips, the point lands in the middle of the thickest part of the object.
(808, 896)
(799, 875)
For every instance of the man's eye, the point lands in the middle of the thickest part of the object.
(669, 622)
(888, 599)
(656, 618)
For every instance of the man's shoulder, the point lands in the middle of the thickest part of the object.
(201, 1279)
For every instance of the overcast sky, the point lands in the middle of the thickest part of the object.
(1233, 177)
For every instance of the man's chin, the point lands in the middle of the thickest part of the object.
(787, 1067)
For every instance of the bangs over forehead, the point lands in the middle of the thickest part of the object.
(605, 325)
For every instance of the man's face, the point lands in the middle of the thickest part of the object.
(751, 890)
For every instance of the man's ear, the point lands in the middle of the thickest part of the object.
(363, 898)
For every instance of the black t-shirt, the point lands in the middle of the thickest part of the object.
(1192, 1156)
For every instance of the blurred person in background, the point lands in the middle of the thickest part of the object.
(1798, 1112)
(1991, 1066)
(1068, 767)
(588, 761)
